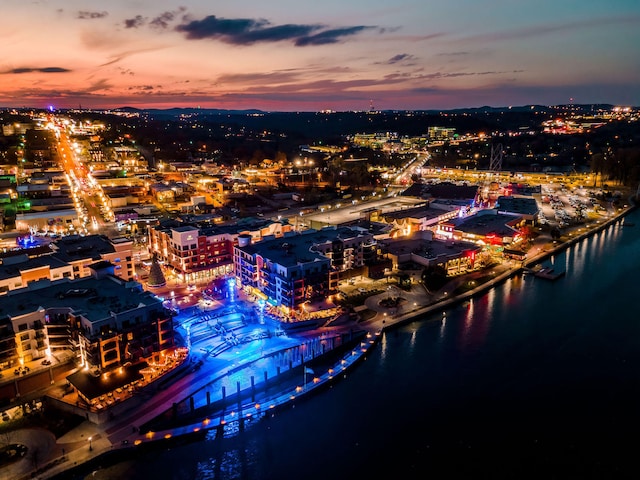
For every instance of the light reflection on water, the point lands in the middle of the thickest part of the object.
(412, 342)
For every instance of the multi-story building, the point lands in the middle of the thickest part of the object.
(287, 272)
(18, 271)
(81, 252)
(299, 268)
(70, 257)
(196, 252)
(103, 320)
(436, 133)
(347, 247)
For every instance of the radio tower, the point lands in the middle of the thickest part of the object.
(495, 164)
(488, 190)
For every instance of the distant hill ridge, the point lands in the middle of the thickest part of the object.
(471, 110)
(311, 126)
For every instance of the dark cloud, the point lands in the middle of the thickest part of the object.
(329, 36)
(38, 70)
(134, 22)
(245, 31)
(163, 20)
(401, 57)
(84, 15)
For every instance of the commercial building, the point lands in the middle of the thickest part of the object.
(487, 227)
(424, 251)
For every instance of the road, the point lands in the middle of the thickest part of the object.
(92, 205)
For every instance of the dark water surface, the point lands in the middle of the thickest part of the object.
(535, 379)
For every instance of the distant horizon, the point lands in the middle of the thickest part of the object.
(53, 108)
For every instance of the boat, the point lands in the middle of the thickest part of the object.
(549, 273)
(627, 224)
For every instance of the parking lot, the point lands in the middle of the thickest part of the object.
(562, 206)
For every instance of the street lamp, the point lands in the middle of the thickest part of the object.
(90, 445)
(302, 166)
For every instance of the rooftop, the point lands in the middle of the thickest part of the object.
(95, 297)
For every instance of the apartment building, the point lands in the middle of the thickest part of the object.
(70, 257)
(305, 267)
(82, 251)
(103, 320)
(195, 252)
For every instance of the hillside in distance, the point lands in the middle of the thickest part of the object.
(326, 125)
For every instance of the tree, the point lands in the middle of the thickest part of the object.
(156, 277)
(434, 277)
(597, 166)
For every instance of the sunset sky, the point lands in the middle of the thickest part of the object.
(286, 55)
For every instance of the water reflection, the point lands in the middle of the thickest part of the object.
(443, 325)
(383, 346)
(412, 338)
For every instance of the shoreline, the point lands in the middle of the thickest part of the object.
(439, 305)
(374, 328)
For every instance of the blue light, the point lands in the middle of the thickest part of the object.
(26, 241)
(231, 282)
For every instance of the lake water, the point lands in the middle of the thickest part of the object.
(536, 378)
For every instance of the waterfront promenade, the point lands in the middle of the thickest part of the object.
(106, 438)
